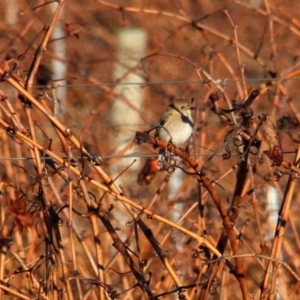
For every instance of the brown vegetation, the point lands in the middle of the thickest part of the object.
(81, 218)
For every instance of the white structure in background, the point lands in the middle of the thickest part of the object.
(273, 207)
(125, 110)
(11, 12)
(59, 68)
(255, 3)
(174, 183)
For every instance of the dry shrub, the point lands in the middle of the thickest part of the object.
(77, 222)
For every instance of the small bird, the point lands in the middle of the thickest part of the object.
(175, 126)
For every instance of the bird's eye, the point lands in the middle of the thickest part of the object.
(182, 107)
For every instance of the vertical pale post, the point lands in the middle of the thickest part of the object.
(126, 109)
(58, 64)
(174, 183)
(273, 206)
(255, 3)
(11, 12)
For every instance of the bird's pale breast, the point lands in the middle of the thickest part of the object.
(177, 131)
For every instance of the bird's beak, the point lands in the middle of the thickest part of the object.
(192, 108)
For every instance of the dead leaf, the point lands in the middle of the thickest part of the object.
(18, 211)
(270, 144)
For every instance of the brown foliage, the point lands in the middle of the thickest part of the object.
(80, 219)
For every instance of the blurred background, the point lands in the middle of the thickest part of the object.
(110, 69)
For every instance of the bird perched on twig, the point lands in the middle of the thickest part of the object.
(175, 127)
